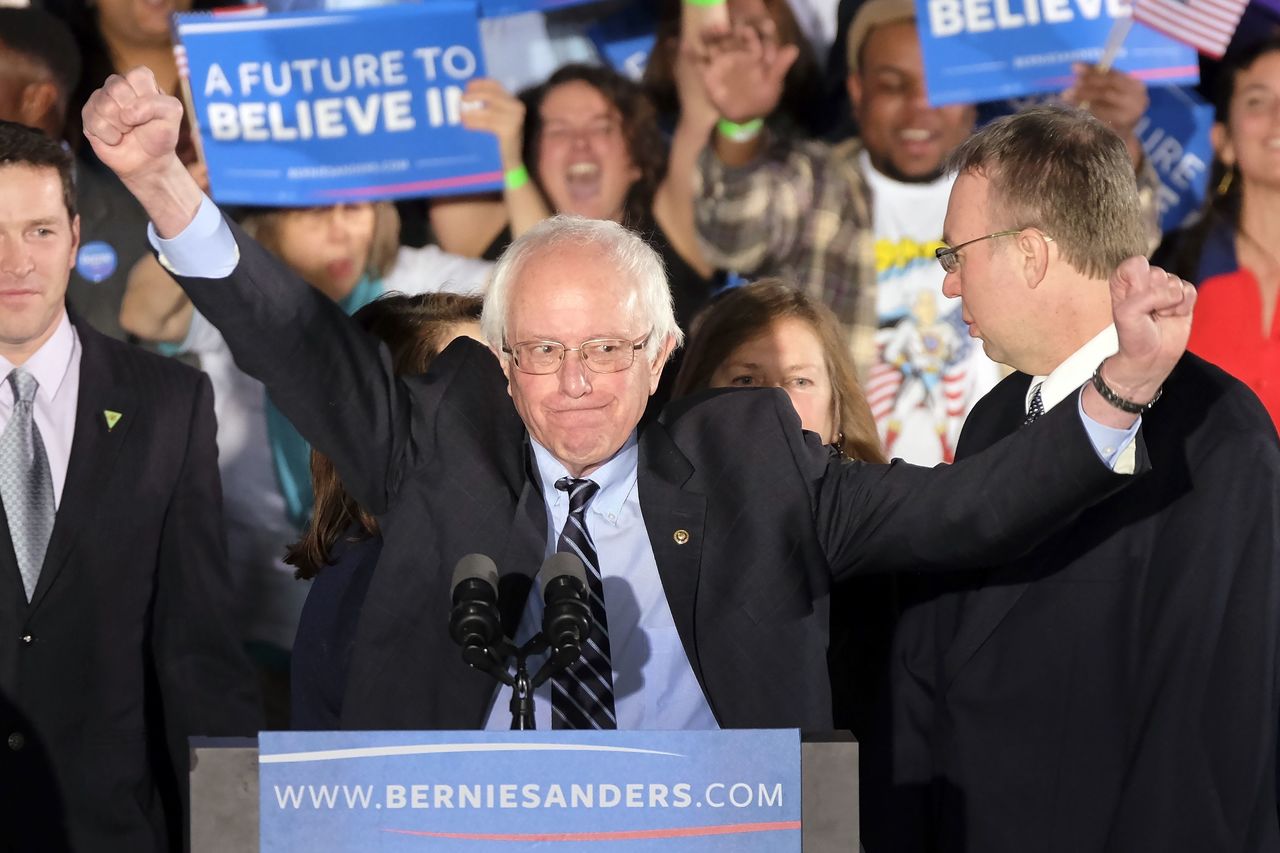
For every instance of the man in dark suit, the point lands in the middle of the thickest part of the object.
(1116, 689)
(711, 536)
(118, 641)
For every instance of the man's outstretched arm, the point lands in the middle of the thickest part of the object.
(325, 374)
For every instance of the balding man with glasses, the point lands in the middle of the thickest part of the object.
(1115, 688)
(712, 535)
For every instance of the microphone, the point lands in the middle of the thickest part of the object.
(474, 621)
(566, 618)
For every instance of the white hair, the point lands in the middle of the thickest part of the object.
(649, 297)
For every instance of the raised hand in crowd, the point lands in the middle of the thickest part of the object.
(1119, 100)
(745, 70)
(489, 107)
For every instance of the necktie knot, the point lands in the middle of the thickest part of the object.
(24, 386)
(580, 492)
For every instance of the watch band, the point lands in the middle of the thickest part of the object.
(1119, 402)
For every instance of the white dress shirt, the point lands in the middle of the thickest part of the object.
(1115, 447)
(56, 367)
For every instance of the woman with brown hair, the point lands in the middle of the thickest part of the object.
(770, 334)
(340, 547)
(586, 143)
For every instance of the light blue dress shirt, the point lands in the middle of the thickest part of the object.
(653, 684)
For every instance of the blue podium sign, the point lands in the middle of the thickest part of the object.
(323, 107)
(985, 50)
(486, 792)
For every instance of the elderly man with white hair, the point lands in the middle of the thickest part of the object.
(712, 535)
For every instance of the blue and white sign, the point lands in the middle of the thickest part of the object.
(984, 50)
(625, 39)
(325, 107)
(1175, 136)
(494, 792)
(495, 8)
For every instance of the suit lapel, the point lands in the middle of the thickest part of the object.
(525, 548)
(94, 450)
(13, 601)
(981, 610)
(674, 519)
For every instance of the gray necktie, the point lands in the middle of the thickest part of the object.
(25, 483)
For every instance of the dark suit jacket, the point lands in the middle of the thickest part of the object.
(128, 644)
(1118, 689)
(771, 518)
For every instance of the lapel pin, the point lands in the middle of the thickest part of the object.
(681, 536)
(112, 418)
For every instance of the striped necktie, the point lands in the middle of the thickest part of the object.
(582, 693)
(1036, 408)
(26, 485)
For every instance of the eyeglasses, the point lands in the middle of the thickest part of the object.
(949, 257)
(602, 355)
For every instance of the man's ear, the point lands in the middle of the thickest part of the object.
(853, 85)
(38, 100)
(505, 361)
(655, 368)
(1034, 250)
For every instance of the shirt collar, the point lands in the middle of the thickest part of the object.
(616, 478)
(49, 364)
(1075, 370)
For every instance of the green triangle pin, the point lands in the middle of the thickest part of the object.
(113, 418)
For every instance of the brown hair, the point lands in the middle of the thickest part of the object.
(645, 145)
(1225, 199)
(25, 146)
(1061, 170)
(415, 330)
(263, 224)
(743, 313)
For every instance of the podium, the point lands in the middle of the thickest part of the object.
(225, 795)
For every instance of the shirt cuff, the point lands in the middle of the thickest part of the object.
(206, 248)
(1115, 447)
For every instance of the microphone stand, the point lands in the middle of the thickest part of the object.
(493, 660)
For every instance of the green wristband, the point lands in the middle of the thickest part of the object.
(744, 132)
(705, 3)
(514, 179)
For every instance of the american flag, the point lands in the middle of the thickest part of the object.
(1206, 25)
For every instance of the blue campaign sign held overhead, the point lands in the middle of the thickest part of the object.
(984, 50)
(495, 8)
(495, 792)
(1175, 136)
(326, 107)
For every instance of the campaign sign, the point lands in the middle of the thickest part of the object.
(324, 107)
(625, 39)
(984, 50)
(496, 792)
(495, 8)
(1175, 136)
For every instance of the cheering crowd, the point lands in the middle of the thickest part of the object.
(242, 449)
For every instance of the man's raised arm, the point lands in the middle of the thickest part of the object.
(323, 372)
